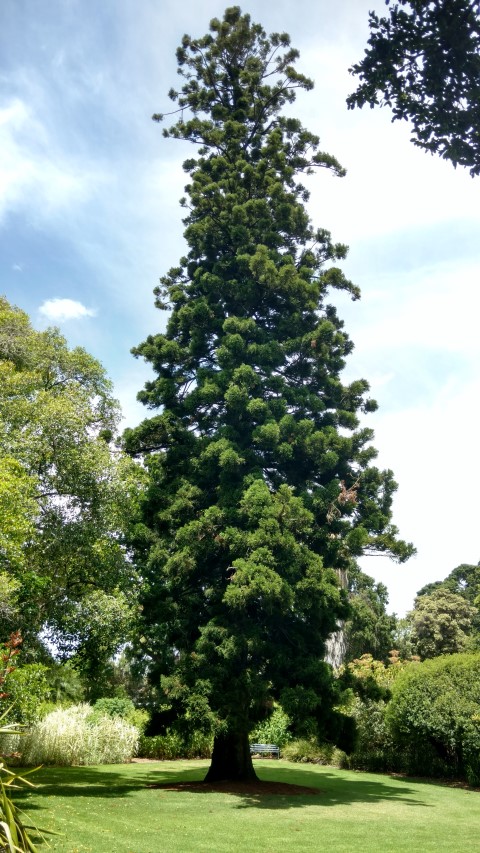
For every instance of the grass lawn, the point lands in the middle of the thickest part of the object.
(110, 809)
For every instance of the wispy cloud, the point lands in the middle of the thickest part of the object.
(64, 309)
(33, 171)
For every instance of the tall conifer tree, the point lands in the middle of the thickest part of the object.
(261, 487)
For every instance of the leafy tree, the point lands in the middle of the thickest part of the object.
(65, 684)
(464, 580)
(261, 486)
(28, 689)
(66, 494)
(424, 62)
(18, 511)
(372, 677)
(369, 629)
(440, 623)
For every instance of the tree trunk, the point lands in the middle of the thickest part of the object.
(231, 759)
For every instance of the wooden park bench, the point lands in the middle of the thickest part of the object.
(264, 748)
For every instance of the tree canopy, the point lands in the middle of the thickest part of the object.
(441, 623)
(423, 61)
(369, 629)
(66, 493)
(261, 486)
(464, 580)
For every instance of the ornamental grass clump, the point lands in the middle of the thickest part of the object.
(71, 736)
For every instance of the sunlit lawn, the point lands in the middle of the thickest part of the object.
(111, 809)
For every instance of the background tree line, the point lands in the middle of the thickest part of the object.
(213, 560)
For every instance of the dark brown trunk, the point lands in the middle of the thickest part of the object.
(231, 759)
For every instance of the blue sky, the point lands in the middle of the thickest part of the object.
(89, 220)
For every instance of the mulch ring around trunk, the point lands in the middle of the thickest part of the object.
(255, 789)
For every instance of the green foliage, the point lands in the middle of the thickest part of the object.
(424, 62)
(441, 623)
(65, 684)
(66, 496)
(94, 627)
(122, 707)
(464, 580)
(369, 629)
(9, 587)
(275, 729)
(18, 512)
(69, 736)
(15, 835)
(113, 707)
(434, 715)
(370, 684)
(366, 668)
(261, 487)
(173, 745)
(28, 690)
(126, 677)
(375, 748)
(423, 718)
(308, 751)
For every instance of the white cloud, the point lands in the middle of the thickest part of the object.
(36, 174)
(431, 308)
(430, 448)
(65, 309)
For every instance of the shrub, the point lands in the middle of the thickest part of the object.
(27, 691)
(308, 751)
(374, 747)
(434, 715)
(24, 691)
(70, 736)
(117, 706)
(173, 745)
(273, 730)
(122, 707)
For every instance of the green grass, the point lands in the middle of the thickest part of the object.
(110, 809)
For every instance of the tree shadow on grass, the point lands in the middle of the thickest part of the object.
(97, 781)
(335, 790)
(322, 787)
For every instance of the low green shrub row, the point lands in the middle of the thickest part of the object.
(173, 745)
(424, 721)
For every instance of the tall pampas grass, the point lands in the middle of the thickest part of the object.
(71, 736)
